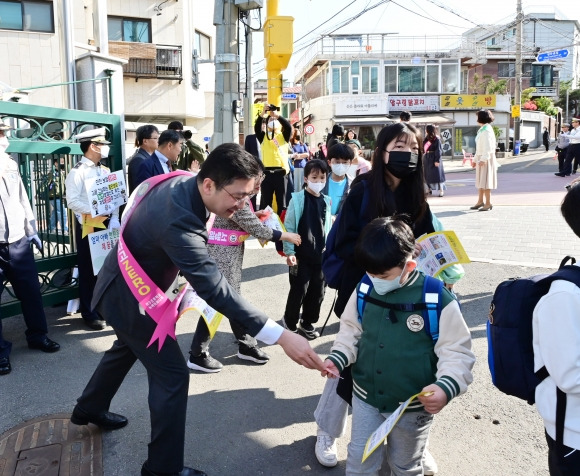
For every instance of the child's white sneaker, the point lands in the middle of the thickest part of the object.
(429, 464)
(325, 449)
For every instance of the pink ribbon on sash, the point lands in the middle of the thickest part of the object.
(153, 299)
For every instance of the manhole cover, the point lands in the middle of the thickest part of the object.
(51, 446)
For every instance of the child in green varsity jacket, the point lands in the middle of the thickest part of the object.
(391, 354)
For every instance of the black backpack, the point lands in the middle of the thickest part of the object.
(509, 336)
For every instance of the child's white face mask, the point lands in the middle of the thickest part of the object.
(316, 187)
(384, 286)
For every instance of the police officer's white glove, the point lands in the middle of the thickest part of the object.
(36, 240)
(114, 223)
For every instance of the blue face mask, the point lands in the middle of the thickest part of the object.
(384, 286)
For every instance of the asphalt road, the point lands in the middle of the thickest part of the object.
(251, 420)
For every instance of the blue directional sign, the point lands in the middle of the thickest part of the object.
(553, 55)
(289, 96)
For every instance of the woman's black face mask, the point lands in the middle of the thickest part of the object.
(402, 164)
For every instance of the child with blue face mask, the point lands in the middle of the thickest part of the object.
(308, 214)
(391, 355)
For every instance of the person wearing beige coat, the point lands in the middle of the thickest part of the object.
(485, 162)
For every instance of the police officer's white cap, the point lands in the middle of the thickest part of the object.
(93, 135)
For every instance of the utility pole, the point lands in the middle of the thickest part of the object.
(518, 88)
(226, 73)
(249, 99)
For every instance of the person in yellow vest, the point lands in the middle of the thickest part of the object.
(273, 132)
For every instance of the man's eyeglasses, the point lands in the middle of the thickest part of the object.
(249, 196)
(152, 138)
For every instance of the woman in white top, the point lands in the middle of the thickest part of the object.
(485, 163)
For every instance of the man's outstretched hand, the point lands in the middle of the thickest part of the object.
(299, 350)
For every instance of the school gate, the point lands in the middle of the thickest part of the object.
(41, 143)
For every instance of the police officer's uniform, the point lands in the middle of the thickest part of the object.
(78, 202)
(17, 265)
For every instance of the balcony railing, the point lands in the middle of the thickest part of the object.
(168, 62)
(372, 46)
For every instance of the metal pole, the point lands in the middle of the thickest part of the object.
(249, 100)
(226, 72)
(69, 57)
(567, 100)
(518, 85)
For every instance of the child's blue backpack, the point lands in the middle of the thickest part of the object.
(430, 307)
(332, 264)
(509, 331)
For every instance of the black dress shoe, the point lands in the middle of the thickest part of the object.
(104, 420)
(45, 344)
(95, 324)
(5, 367)
(184, 472)
(560, 174)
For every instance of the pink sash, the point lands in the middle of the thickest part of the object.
(153, 299)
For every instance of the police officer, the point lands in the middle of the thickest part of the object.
(17, 232)
(95, 148)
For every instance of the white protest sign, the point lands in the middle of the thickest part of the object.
(106, 193)
(101, 243)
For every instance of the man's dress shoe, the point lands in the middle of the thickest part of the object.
(104, 420)
(44, 344)
(5, 367)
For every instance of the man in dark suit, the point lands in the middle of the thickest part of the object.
(162, 244)
(147, 137)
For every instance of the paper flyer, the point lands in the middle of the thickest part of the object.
(272, 220)
(192, 302)
(107, 192)
(440, 250)
(100, 244)
(381, 433)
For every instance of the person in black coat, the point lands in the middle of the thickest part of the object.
(166, 232)
(147, 137)
(546, 139)
(336, 136)
(433, 161)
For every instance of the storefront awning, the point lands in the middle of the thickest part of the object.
(362, 120)
(432, 119)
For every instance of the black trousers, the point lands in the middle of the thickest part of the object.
(167, 374)
(18, 267)
(306, 291)
(274, 182)
(563, 460)
(87, 278)
(561, 158)
(201, 338)
(572, 155)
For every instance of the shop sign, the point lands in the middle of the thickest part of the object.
(467, 101)
(414, 103)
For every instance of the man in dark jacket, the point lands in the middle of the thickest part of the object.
(546, 139)
(147, 137)
(163, 244)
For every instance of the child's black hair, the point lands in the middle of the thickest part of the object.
(315, 165)
(385, 243)
(569, 208)
(340, 151)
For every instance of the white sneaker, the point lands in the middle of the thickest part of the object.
(325, 449)
(429, 464)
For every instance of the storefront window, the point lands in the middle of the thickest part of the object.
(411, 79)
(449, 78)
(370, 79)
(340, 79)
(433, 78)
(465, 139)
(367, 138)
(390, 79)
